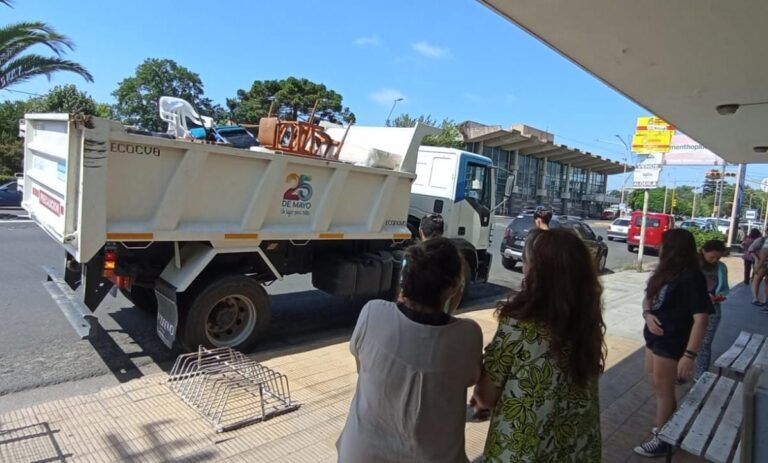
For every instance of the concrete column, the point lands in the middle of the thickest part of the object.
(541, 184)
(565, 196)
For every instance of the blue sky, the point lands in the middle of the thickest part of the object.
(449, 58)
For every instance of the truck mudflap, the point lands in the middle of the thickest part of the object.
(167, 312)
(77, 314)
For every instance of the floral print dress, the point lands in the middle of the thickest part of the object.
(541, 416)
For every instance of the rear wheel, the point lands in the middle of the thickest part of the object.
(610, 238)
(143, 298)
(229, 312)
(508, 263)
(631, 248)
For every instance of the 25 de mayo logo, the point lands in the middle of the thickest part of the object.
(296, 199)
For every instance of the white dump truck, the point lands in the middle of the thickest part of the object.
(195, 230)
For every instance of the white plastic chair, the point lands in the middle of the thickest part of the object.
(176, 111)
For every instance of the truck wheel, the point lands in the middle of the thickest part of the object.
(631, 248)
(229, 312)
(141, 297)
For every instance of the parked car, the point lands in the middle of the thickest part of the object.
(10, 195)
(697, 225)
(656, 225)
(618, 230)
(609, 214)
(514, 239)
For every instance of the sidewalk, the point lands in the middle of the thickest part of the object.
(143, 421)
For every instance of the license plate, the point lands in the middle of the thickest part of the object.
(519, 243)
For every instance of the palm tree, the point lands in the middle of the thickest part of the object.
(17, 67)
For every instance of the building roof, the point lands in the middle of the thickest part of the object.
(538, 144)
(698, 65)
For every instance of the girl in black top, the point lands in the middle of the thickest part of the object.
(675, 308)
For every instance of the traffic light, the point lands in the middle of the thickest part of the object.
(674, 202)
(713, 175)
(730, 174)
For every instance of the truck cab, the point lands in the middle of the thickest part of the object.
(459, 186)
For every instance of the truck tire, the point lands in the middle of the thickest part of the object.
(232, 311)
(141, 297)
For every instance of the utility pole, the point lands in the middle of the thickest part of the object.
(722, 188)
(666, 189)
(643, 223)
(735, 209)
(693, 207)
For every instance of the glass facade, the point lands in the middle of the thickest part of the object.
(528, 182)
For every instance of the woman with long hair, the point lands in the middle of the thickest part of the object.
(540, 371)
(676, 308)
(747, 255)
(415, 362)
(716, 274)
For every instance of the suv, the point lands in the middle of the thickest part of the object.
(514, 239)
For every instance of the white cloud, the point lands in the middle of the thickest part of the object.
(386, 96)
(429, 50)
(372, 41)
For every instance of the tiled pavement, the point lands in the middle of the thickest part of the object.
(143, 421)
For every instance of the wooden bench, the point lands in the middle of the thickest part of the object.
(746, 350)
(708, 421)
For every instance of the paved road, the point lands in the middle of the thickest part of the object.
(38, 347)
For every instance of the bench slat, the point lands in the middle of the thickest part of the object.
(673, 429)
(748, 355)
(727, 434)
(728, 357)
(704, 424)
(737, 455)
(762, 357)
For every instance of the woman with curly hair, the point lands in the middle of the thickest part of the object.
(540, 371)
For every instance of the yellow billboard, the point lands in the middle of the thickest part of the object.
(652, 135)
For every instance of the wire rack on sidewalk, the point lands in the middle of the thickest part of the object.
(228, 389)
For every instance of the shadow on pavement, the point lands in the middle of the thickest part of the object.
(301, 321)
(35, 442)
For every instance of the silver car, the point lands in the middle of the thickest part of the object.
(618, 229)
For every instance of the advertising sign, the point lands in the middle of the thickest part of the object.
(684, 151)
(652, 135)
(646, 176)
(751, 214)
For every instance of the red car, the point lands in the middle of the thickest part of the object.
(656, 225)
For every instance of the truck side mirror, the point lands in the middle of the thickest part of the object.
(509, 186)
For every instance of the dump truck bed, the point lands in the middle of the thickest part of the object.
(89, 181)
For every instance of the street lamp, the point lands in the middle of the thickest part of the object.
(626, 159)
(394, 103)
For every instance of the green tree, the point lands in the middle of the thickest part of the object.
(66, 99)
(17, 65)
(291, 99)
(449, 136)
(138, 96)
(11, 146)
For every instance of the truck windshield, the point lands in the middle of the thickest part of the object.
(477, 184)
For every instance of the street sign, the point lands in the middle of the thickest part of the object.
(751, 214)
(764, 185)
(646, 176)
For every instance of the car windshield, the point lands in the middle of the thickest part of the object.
(621, 222)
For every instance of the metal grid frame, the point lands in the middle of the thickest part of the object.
(228, 389)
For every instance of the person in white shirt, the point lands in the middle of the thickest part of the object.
(415, 362)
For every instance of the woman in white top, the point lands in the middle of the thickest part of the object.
(415, 362)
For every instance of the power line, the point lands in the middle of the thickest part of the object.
(22, 92)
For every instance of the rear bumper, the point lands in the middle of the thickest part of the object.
(512, 254)
(617, 235)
